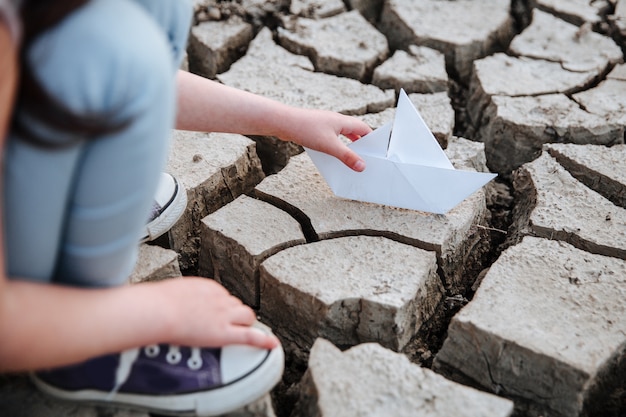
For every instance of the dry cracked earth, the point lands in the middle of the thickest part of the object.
(511, 304)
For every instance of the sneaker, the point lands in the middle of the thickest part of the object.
(169, 205)
(170, 380)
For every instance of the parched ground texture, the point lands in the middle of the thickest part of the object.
(511, 304)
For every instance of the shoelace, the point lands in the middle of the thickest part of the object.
(173, 357)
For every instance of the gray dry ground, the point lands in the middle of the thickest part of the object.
(511, 304)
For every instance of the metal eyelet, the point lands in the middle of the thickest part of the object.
(173, 357)
(152, 351)
(194, 363)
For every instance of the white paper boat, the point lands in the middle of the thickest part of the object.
(405, 167)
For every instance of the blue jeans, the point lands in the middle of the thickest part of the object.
(74, 215)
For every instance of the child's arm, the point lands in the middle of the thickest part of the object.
(208, 106)
(44, 325)
(8, 76)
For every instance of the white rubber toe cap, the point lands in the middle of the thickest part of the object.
(238, 361)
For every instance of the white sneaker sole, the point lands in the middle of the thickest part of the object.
(168, 218)
(218, 401)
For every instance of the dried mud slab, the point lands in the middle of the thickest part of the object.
(455, 236)
(336, 45)
(553, 204)
(547, 327)
(553, 39)
(349, 290)
(600, 168)
(316, 9)
(607, 98)
(214, 46)
(155, 263)
(271, 71)
(368, 380)
(235, 240)
(519, 104)
(420, 70)
(463, 30)
(518, 127)
(263, 407)
(576, 12)
(467, 154)
(215, 169)
(504, 75)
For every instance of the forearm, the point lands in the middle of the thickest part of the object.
(43, 325)
(208, 106)
(8, 77)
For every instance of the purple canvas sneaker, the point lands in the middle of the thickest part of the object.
(167, 379)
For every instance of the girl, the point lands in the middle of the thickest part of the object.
(98, 95)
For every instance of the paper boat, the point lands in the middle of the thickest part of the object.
(405, 167)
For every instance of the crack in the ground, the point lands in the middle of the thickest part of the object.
(308, 231)
(574, 239)
(520, 9)
(612, 190)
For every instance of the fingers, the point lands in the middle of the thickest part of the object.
(320, 130)
(346, 155)
(352, 160)
(354, 128)
(208, 315)
(241, 330)
(253, 337)
(352, 136)
(242, 315)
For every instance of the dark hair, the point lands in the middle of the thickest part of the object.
(32, 98)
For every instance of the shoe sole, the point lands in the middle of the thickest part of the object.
(215, 402)
(171, 214)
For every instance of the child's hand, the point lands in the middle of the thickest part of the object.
(237, 111)
(319, 130)
(205, 314)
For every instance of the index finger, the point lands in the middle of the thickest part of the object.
(355, 129)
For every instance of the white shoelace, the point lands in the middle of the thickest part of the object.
(127, 358)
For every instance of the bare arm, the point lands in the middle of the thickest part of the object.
(208, 106)
(8, 76)
(43, 325)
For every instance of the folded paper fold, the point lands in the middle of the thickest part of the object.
(405, 167)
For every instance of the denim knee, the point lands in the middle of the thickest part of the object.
(174, 17)
(109, 58)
